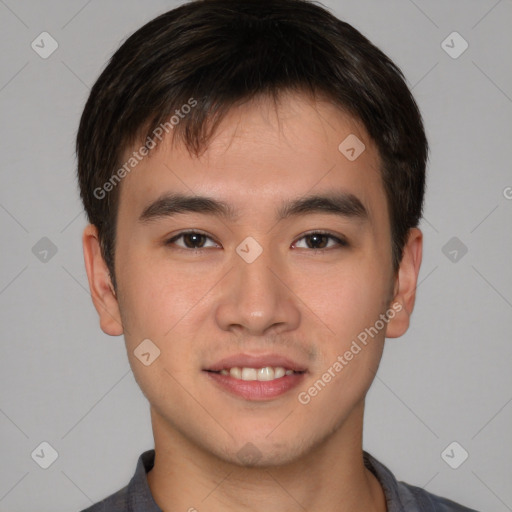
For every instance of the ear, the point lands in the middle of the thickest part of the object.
(102, 291)
(405, 285)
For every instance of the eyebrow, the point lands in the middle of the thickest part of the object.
(341, 203)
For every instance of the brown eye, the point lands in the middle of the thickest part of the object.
(320, 241)
(191, 240)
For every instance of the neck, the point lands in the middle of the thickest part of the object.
(331, 477)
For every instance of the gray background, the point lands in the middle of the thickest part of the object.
(448, 379)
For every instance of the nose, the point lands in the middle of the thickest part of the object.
(257, 299)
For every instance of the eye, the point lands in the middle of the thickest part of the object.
(191, 240)
(319, 240)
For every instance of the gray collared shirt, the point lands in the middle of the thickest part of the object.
(400, 497)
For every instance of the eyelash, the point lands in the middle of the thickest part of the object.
(340, 241)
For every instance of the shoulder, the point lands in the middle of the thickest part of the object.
(401, 496)
(135, 496)
(418, 499)
(117, 502)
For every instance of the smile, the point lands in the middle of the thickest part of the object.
(262, 374)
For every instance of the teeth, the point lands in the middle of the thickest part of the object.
(262, 374)
(236, 373)
(279, 372)
(266, 373)
(249, 374)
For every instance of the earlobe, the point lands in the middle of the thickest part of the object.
(102, 292)
(406, 283)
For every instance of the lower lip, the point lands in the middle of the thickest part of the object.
(256, 389)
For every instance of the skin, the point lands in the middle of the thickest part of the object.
(203, 306)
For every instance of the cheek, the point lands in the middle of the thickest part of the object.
(165, 305)
(350, 305)
(150, 298)
(347, 299)
(158, 305)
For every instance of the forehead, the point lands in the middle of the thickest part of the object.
(261, 153)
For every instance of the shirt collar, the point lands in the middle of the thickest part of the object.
(140, 498)
(387, 481)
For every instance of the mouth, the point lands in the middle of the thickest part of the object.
(264, 374)
(256, 378)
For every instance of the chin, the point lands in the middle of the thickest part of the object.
(263, 453)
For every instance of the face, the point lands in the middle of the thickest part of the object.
(257, 275)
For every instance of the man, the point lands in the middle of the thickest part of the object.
(253, 173)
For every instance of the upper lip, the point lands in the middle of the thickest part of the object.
(256, 361)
